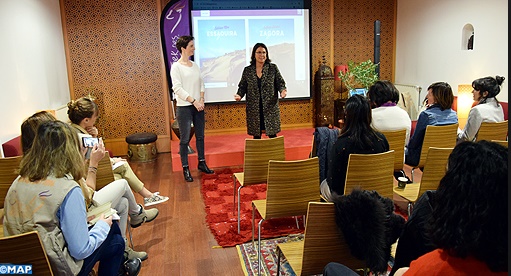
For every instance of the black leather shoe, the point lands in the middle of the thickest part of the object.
(130, 267)
(204, 168)
(187, 174)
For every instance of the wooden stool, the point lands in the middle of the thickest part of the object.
(142, 147)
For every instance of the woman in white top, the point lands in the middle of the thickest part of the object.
(188, 86)
(487, 109)
(387, 116)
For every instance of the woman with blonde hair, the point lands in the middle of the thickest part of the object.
(47, 197)
(83, 114)
(117, 192)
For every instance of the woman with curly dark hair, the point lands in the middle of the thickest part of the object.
(469, 221)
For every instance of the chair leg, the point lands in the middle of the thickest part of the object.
(297, 226)
(234, 195)
(239, 208)
(410, 207)
(412, 174)
(278, 261)
(253, 224)
(259, 247)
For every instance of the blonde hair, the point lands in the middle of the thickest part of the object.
(81, 108)
(55, 151)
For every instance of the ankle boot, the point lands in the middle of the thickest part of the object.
(204, 168)
(187, 174)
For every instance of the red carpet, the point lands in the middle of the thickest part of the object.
(226, 150)
(221, 217)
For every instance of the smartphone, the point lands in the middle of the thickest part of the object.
(89, 142)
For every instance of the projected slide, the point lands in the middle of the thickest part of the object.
(224, 41)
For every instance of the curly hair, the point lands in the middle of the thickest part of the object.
(382, 91)
(81, 108)
(470, 217)
(442, 92)
(29, 128)
(55, 151)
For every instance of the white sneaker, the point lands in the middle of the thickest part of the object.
(156, 198)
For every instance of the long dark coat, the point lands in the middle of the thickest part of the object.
(272, 84)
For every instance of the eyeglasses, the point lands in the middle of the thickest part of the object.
(261, 53)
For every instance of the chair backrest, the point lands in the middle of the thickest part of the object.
(397, 141)
(291, 186)
(440, 137)
(504, 143)
(323, 242)
(8, 174)
(371, 172)
(434, 169)
(105, 174)
(492, 131)
(25, 248)
(257, 154)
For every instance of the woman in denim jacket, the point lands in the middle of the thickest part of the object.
(438, 112)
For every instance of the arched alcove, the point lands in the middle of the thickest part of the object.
(467, 37)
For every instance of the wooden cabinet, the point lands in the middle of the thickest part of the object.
(324, 97)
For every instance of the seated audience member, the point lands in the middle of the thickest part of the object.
(387, 116)
(83, 114)
(46, 197)
(468, 224)
(117, 192)
(437, 113)
(357, 136)
(487, 109)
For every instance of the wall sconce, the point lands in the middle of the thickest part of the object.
(464, 103)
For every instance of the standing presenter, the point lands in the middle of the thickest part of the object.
(188, 86)
(262, 83)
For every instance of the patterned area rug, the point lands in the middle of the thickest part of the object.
(218, 194)
(248, 257)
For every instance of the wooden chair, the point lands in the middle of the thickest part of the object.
(25, 248)
(439, 137)
(397, 143)
(291, 185)
(371, 172)
(8, 174)
(434, 170)
(105, 174)
(255, 164)
(322, 243)
(492, 131)
(504, 143)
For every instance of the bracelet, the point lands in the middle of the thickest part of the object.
(93, 169)
(193, 101)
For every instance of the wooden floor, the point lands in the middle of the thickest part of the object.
(178, 241)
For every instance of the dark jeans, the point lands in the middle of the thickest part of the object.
(337, 269)
(110, 254)
(186, 115)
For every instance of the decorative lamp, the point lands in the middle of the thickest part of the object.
(464, 103)
(339, 68)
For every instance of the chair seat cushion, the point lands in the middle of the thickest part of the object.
(141, 138)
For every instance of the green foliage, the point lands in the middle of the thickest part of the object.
(358, 75)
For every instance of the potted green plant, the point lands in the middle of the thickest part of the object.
(359, 75)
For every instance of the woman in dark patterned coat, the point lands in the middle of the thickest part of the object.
(262, 82)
